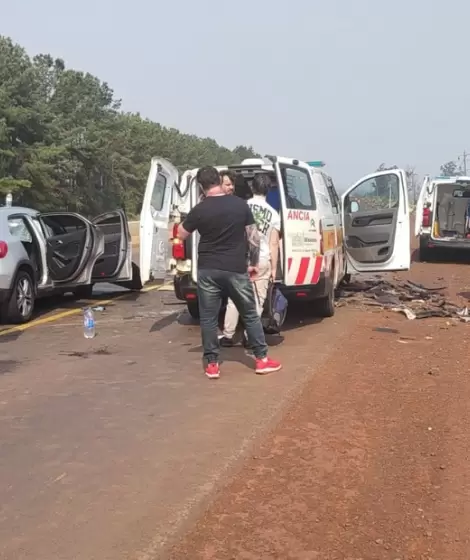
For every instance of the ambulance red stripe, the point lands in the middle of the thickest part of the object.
(303, 269)
(317, 270)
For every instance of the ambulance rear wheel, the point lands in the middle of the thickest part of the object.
(193, 309)
(325, 307)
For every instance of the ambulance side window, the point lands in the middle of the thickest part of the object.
(298, 189)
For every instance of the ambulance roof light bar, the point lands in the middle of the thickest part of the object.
(316, 163)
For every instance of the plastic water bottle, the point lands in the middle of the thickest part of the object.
(88, 323)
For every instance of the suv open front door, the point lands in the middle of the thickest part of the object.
(154, 221)
(376, 223)
(115, 263)
(71, 244)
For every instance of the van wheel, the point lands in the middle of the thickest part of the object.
(425, 254)
(83, 292)
(20, 307)
(325, 307)
(193, 309)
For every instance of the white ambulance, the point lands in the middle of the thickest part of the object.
(442, 219)
(323, 237)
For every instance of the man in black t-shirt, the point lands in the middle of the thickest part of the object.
(225, 225)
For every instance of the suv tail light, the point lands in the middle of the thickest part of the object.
(178, 251)
(3, 249)
(320, 231)
(426, 217)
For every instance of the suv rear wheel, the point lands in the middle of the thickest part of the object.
(20, 307)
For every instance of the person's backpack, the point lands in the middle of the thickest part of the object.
(274, 310)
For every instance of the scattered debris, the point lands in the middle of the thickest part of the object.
(102, 351)
(413, 300)
(99, 308)
(387, 330)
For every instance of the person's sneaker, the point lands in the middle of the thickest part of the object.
(213, 371)
(266, 365)
(226, 342)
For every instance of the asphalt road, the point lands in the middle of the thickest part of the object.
(109, 447)
(119, 447)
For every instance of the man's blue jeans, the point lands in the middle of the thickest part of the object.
(212, 287)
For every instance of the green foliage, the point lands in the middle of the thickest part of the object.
(65, 144)
(451, 169)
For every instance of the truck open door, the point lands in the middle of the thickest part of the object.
(155, 247)
(376, 223)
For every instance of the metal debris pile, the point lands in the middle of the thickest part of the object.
(413, 300)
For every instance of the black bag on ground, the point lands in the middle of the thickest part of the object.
(274, 310)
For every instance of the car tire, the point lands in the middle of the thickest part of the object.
(193, 309)
(83, 292)
(20, 307)
(325, 307)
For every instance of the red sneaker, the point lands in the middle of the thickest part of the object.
(213, 371)
(266, 365)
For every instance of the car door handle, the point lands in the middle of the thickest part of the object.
(59, 242)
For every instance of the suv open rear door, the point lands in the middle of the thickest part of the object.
(154, 221)
(376, 223)
(115, 263)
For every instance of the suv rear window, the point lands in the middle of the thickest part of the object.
(298, 188)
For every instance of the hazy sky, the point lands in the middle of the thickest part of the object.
(353, 82)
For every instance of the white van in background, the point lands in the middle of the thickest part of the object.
(323, 237)
(443, 215)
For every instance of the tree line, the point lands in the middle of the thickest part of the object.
(66, 145)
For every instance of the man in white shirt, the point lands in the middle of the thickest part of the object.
(268, 223)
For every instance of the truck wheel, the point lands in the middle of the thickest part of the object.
(193, 309)
(20, 307)
(325, 307)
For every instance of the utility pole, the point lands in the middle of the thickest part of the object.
(464, 158)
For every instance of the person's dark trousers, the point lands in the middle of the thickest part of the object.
(212, 287)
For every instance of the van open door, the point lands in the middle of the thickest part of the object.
(154, 221)
(301, 260)
(376, 223)
(422, 199)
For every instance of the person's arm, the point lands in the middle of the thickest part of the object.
(183, 233)
(189, 225)
(274, 251)
(254, 242)
(274, 244)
